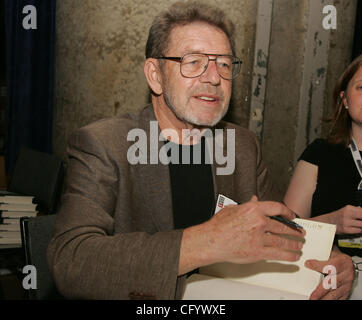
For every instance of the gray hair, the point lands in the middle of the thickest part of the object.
(184, 13)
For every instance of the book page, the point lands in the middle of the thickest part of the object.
(201, 287)
(280, 275)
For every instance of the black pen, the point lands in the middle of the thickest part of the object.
(283, 220)
(287, 222)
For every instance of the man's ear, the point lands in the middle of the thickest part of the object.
(153, 75)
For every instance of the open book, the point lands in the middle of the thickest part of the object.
(266, 279)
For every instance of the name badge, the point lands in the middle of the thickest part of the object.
(355, 243)
(222, 202)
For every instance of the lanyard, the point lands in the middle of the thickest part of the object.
(356, 241)
(357, 159)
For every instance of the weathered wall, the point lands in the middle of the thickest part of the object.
(100, 53)
(298, 92)
(283, 86)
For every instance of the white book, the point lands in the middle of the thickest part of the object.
(9, 197)
(202, 287)
(18, 214)
(13, 241)
(10, 220)
(10, 234)
(10, 227)
(18, 207)
(293, 279)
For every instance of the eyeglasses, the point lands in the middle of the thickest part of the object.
(193, 65)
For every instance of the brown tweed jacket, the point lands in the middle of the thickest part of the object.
(114, 235)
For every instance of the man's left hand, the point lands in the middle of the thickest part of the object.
(344, 276)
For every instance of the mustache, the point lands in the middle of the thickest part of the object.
(208, 90)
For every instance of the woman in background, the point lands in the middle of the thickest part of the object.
(327, 182)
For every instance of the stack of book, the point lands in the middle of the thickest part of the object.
(13, 207)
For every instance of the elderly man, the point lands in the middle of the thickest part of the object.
(131, 227)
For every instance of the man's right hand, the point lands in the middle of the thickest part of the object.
(241, 234)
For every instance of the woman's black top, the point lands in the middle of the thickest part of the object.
(337, 181)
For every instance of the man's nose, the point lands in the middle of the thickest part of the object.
(211, 74)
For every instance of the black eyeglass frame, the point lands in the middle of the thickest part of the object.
(180, 59)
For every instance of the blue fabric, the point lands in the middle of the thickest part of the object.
(30, 78)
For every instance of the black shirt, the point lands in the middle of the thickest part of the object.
(192, 188)
(337, 181)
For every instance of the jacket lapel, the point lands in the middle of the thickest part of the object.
(155, 180)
